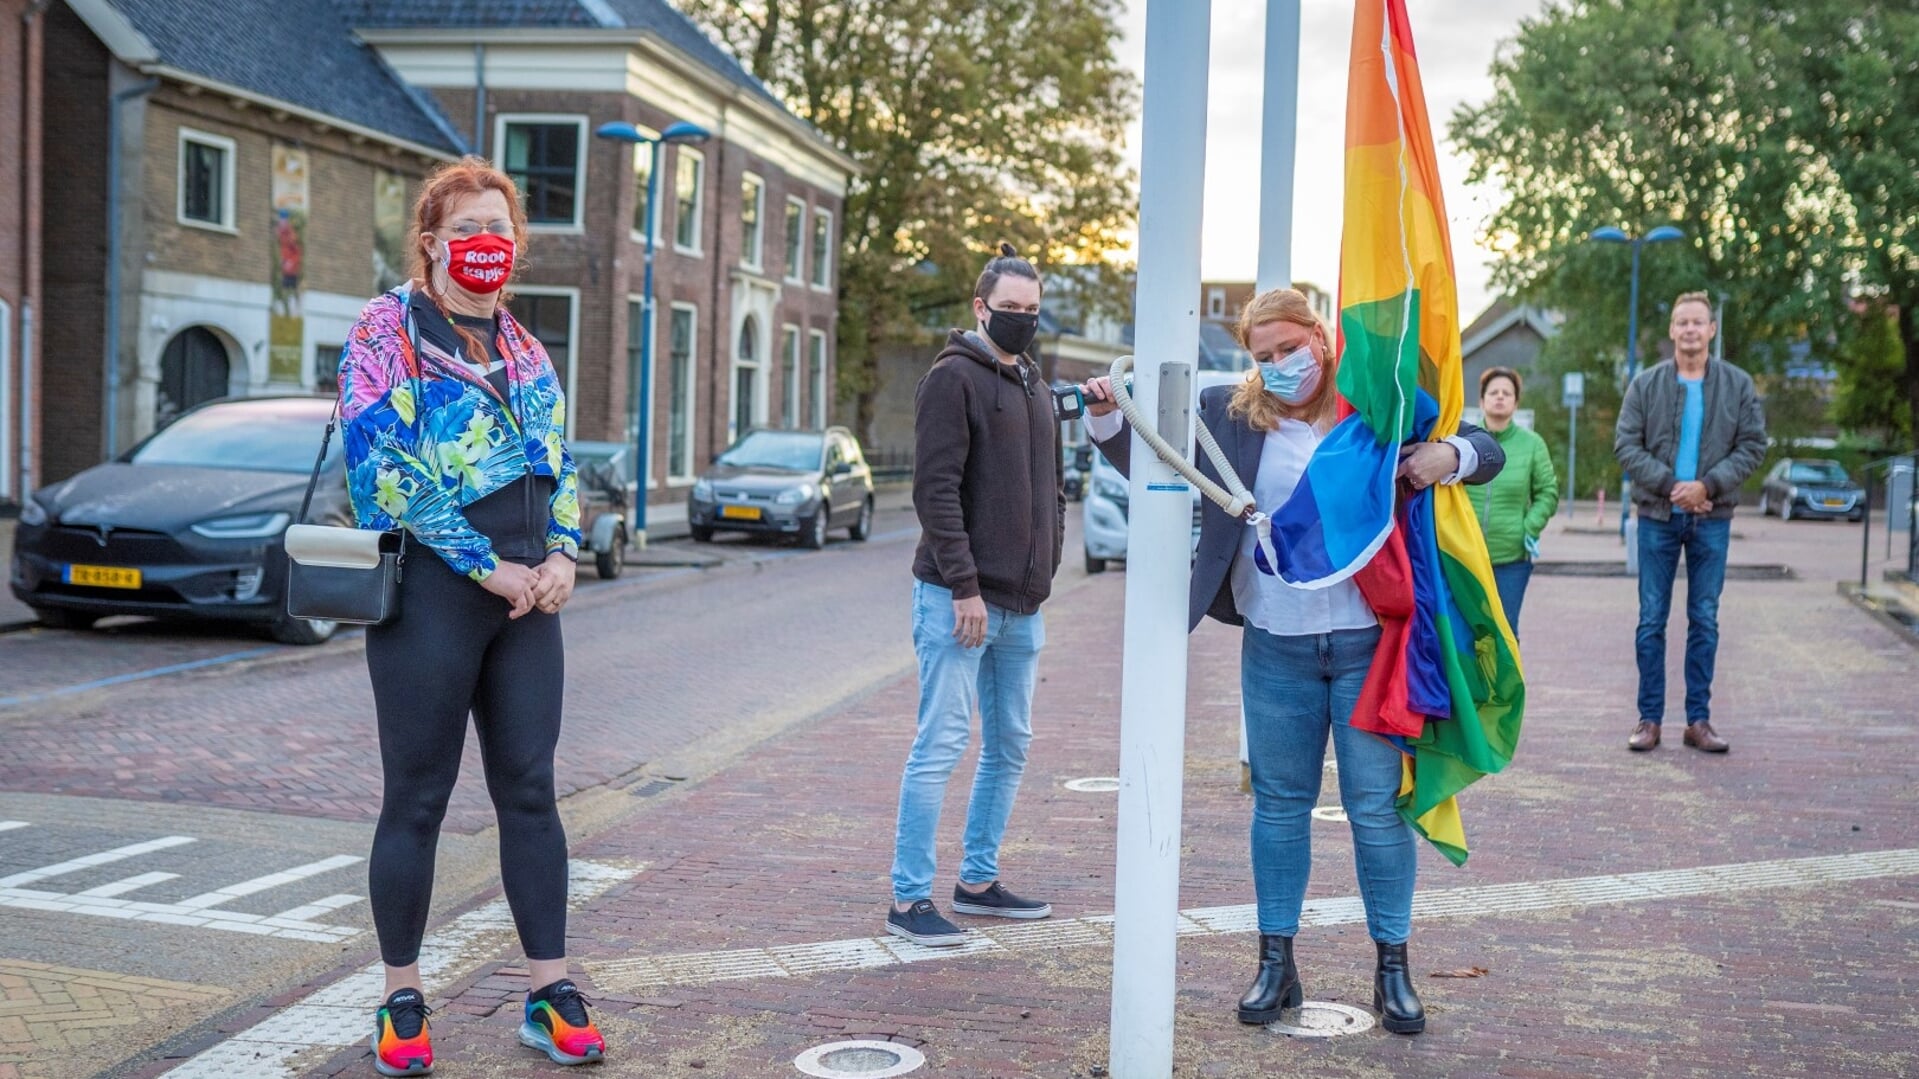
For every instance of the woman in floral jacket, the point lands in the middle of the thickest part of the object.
(453, 421)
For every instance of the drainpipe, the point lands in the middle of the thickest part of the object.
(110, 373)
(479, 98)
(30, 181)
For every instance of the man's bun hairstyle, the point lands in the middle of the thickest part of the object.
(1008, 263)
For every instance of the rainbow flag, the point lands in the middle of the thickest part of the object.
(1446, 685)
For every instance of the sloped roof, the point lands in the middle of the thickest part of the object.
(252, 45)
(657, 17)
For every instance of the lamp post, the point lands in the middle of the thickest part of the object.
(683, 132)
(1610, 235)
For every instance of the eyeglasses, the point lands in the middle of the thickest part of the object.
(466, 230)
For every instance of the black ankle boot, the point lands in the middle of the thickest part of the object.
(1393, 996)
(1276, 985)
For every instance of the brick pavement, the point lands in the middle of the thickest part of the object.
(791, 845)
(57, 1022)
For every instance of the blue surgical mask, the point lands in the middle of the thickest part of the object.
(1294, 377)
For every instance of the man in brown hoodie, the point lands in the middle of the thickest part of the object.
(992, 509)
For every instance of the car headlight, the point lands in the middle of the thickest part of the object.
(703, 491)
(1111, 490)
(793, 495)
(1792, 493)
(244, 526)
(32, 513)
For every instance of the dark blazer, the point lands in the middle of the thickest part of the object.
(1212, 591)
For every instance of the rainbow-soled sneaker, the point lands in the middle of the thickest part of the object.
(400, 1042)
(557, 1025)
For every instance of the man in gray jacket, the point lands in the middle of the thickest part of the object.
(1690, 432)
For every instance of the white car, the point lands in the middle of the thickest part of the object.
(1104, 510)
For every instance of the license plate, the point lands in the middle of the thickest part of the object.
(103, 576)
(1835, 501)
(740, 513)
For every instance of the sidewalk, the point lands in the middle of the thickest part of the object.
(754, 927)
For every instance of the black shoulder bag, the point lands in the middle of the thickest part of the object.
(347, 574)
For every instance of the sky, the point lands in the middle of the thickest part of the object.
(1456, 41)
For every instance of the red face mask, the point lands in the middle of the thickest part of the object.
(480, 263)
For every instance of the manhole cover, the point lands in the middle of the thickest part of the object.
(1094, 784)
(859, 1060)
(1329, 813)
(1316, 1020)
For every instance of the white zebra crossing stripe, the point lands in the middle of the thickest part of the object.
(10, 825)
(341, 1014)
(105, 857)
(199, 912)
(642, 973)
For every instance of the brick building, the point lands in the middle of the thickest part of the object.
(21, 305)
(260, 202)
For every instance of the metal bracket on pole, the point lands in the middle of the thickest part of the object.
(1176, 402)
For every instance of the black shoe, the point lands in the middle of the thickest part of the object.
(1393, 996)
(997, 902)
(922, 924)
(1276, 986)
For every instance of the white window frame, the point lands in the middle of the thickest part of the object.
(1215, 303)
(500, 122)
(822, 274)
(699, 202)
(758, 261)
(796, 253)
(228, 223)
(636, 309)
(692, 393)
(790, 383)
(572, 294)
(643, 155)
(6, 401)
(818, 395)
(757, 367)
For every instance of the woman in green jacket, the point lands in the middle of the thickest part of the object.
(1513, 509)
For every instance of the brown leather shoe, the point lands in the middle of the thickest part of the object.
(1644, 737)
(1700, 736)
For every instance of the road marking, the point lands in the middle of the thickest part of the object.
(341, 1014)
(105, 857)
(642, 973)
(121, 887)
(199, 912)
(10, 825)
(271, 880)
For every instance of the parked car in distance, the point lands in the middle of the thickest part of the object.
(601, 475)
(1105, 509)
(792, 483)
(185, 525)
(1811, 487)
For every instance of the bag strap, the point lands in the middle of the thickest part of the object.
(411, 355)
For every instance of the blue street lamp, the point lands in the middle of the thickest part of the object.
(679, 131)
(1610, 235)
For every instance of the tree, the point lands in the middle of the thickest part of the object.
(974, 123)
(1782, 138)
(1871, 371)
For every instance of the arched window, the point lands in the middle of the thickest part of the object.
(193, 371)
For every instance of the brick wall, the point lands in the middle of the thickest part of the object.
(74, 235)
(20, 223)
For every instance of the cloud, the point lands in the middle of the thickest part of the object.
(1456, 40)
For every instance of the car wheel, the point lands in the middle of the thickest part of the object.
(863, 527)
(1785, 510)
(701, 534)
(303, 631)
(1095, 565)
(609, 563)
(61, 618)
(813, 533)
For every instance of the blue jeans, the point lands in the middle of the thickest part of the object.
(997, 679)
(1295, 689)
(1511, 580)
(1704, 542)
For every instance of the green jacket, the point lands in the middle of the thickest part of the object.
(1516, 505)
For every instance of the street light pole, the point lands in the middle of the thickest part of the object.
(1610, 235)
(621, 131)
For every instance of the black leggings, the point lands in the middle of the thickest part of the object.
(451, 651)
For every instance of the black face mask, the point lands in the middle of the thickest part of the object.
(1012, 331)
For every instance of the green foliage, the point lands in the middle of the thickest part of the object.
(1870, 369)
(975, 123)
(1781, 137)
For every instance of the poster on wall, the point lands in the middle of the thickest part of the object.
(389, 229)
(287, 330)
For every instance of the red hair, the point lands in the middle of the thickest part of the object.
(449, 184)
